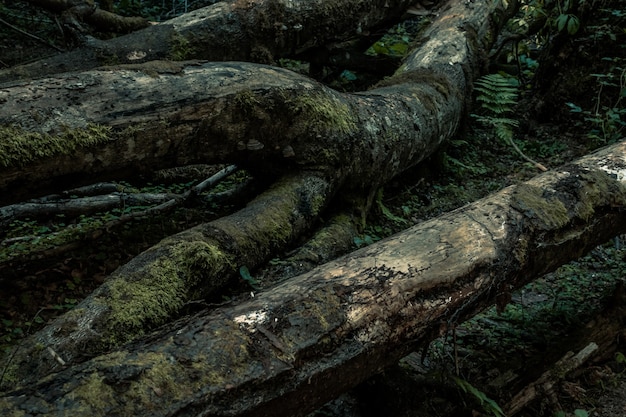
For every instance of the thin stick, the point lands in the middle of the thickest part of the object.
(523, 155)
(30, 35)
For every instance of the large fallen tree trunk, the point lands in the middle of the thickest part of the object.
(124, 120)
(290, 349)
(111, 122)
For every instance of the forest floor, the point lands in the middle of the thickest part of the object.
(477, 366)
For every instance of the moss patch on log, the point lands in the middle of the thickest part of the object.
(19, 147)
(321, 112)
(152, 294)
(180, 47)
(547, 212)
(596, 189)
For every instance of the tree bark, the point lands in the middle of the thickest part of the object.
(83, 127)
(294, 347)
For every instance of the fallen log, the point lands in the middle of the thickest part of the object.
(119, 122)
(290, 349)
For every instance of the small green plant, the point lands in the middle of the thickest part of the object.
(607, 121)
(489, 406)
(395, 43)
(566, 20)
(385, 211)
(244, 272)
(497, 95)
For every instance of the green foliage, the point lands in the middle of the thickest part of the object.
(497, 95)
(394, 43)
(558, 15)
(569, 22)
(385, 211)
(489, 406)
(363, 240)
(608, 117)
(371, 234)
(244, 272)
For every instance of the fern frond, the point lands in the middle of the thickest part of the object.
(499, 107)
(497, 121)
(497, 93)
(503, 132)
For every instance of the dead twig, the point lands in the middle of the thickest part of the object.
(30, 35)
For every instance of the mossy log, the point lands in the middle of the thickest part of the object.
(295, 346)
(153, 287)
(115, 122)
(233, 30)
(125, 120)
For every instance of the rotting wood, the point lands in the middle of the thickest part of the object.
(294, 347)
(546, 385)
(153, 287)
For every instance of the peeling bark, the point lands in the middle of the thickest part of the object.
(292, 348)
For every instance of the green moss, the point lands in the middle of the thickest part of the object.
(272, 214)
(247, 101)
(597, 188)
(10, 373)
(319, 111)
(420, 77)
(159, 375)
(180, 48)
(95, 393)
(162, 286)
(19, 147)
(548, 212)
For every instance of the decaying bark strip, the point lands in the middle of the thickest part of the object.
(292, 348)
(546, 385)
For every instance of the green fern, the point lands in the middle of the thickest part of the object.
(497, 95)
(503, 127)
